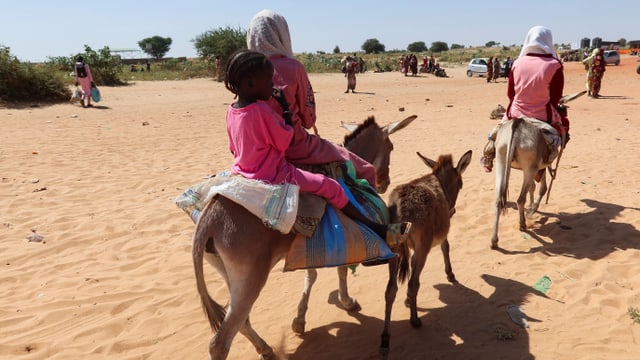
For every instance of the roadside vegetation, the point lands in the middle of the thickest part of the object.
(52, 81)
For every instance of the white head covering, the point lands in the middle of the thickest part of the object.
(269, 34)
(538, 41)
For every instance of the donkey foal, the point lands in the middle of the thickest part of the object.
(428, 202)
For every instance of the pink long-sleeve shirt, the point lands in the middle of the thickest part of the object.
(536, 83)
(258, 139)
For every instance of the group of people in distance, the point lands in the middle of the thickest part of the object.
(494, 68)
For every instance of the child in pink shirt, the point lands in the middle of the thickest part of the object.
(259, 138)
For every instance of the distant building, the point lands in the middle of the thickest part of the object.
(633, 44)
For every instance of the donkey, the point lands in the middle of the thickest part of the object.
(359, 142)
(428, 202)
(243, 251)
(521, 145)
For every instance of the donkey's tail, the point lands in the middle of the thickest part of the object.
(403, 262)
(506, 173)
(215, 312)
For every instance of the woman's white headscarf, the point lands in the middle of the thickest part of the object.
(269, 34)
(538, 41)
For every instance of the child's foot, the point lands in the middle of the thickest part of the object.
(398, 233)
(487, 164)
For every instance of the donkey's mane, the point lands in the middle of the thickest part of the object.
(360, 129)
(442, 161)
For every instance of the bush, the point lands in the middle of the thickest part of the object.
(26, 82)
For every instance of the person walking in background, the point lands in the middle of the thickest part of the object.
(405, 64)
(536, 84)
(268, 33)
(351, 69)
(219, 69)
(507, 66)
(595, 66)
(413, 64)
(496, 69)
(490, 69)
(84, 79)
(599, 67)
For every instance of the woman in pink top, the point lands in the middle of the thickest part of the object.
(536, 84)
(269, 34)
(259, 138)
(84, 79)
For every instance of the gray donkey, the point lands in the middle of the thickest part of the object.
(243, 251)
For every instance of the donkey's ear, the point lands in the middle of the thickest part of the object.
(398, 125)
(349, 126)
(464, 161)
(430, 163)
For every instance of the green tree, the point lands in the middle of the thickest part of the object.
(156, 46)
(491, 44)
(418, 46)
(456, 46)
(622, 42)
(336, 50)
(220, 42)
(372, 46)
(439, 46)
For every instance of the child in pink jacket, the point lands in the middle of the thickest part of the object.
(259, 138)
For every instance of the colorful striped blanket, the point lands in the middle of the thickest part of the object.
(338, 240)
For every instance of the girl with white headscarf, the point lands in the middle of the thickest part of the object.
(536, 84)
(269, 34)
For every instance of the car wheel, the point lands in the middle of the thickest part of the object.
(469, 73)
(638, 70)
(617, 62)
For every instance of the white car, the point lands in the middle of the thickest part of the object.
(477, 66)
(611, 57)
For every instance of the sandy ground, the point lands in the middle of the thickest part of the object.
(113, 277)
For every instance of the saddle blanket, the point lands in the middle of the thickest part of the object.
(551, 136)
(325, 238)
(275, 205)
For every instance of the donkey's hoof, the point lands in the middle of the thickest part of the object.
(298, 326)
(452, 278)
(350, 304)
(416, 323)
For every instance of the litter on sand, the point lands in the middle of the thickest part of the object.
(543, 284)
(517, 315)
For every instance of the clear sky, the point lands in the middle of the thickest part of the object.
(37, 29)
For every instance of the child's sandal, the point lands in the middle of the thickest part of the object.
(398, 233)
